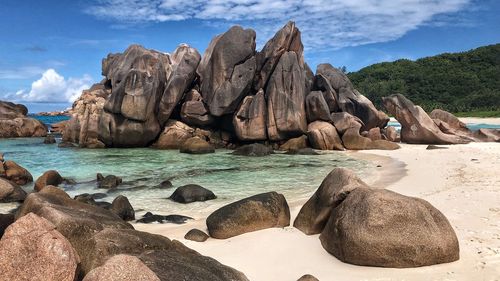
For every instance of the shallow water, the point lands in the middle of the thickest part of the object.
(142, 169)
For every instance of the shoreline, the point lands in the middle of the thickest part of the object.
(464, 190)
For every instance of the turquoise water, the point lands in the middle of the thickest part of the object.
(49, 120)
(142, 169)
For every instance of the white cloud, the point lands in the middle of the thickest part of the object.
(325, 24)
(53, 87)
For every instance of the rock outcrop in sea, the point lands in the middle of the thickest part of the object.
(233, 91)
(14, 122)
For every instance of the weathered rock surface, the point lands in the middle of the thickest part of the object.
(254, 149)
(50, 177)
(254, 213)
(174, 135)
(49, 139)
(194, 111)
(108, 182)
(450, 119)
(308, 277)
(286, 116)
(15, 173)
(32, 249)
(382, 228)
(323, 135)
(150, 218)
(354, 141)
(14, 122)
(192, 193)
(185, 62)
(11, 192)
(316, 107)
(120, 268)
(196, 145)
(250, 119)
(350, 100)
(343, 121)
(333, 190)
(295, 144)
(122, 208)
(196, 235)
(416, 125)
(390, 133)
(227, 70)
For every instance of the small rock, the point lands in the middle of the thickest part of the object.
(196, 235)
(108, 182)
(165, 184)
(432, 147)
(66, 144)
(196, 145)
(308, 277)
(254, 149)
(303, 151)
(192, 193)
(122, 207)
(50, 177)
(49, 139)
(11, 192)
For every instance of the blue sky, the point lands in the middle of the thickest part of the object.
(51, 50)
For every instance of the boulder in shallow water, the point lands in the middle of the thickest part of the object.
(122, 207)
(196, 235)
(32, 249)
(16, 173)
(254, 149)
(294, 144)
(375, 227)
(50, 177)
(196, 145)
(254, 213)
(108, 182)
(334, 188)
(11, 192)
(121, 267)
(192, 193)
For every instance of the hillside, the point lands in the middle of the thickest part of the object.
(457, 82)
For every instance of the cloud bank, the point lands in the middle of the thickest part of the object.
(53, 87)
(325, 24)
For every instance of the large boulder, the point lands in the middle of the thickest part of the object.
(196, 145)
(286, 115)
(323, 135)
(137, 79)
(174, 135)
(14, 122)
(227, 70)
(350, 100)
(376, 227)
(15, 173)
(192, 193)
(194, 111)
(254, 213)
(50, 177)
(185, 62)
(249, 121)
(333, 190)
(32, 249)
(286, 39)
(121, 267)
(450, 119)
(254, 149)
(83, 127)
(11, 192)
(416, 125)
(316, 107)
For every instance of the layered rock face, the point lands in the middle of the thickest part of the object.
(15, 123)
(234, 91)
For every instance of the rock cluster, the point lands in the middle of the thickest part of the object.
(376, 227)
(55, 237)
(233, 92)
(14, 122)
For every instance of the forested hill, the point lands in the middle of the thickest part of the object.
(456, 82)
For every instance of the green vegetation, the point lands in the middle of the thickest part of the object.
(482, 114)
(467, 82)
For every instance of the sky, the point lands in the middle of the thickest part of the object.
(51, 50)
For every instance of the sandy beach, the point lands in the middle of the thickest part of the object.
(461, 181)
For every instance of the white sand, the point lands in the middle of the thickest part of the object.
(476, 120)
(462, 181)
